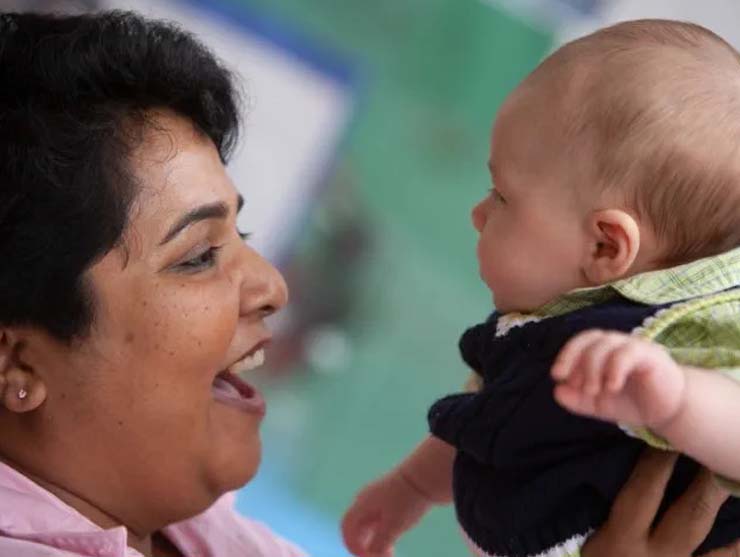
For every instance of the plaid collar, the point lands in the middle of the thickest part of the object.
(698, 278)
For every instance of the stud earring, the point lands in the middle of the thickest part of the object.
(23, 393)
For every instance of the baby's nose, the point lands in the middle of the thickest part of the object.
(478, 216)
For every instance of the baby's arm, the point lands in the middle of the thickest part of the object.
(429, 470)
(621, 378)
(390, 506)
(707, 425)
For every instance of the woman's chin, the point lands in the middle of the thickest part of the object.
(249, 471)
(241, 468)
(235, 447)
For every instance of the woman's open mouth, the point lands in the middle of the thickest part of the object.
(228, 388)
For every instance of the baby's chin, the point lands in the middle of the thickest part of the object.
(506, 306)
(503, 304)
(524, 303)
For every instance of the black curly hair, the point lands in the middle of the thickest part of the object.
(75, 92)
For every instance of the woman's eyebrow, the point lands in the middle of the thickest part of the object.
(217, 210)
(204, 212)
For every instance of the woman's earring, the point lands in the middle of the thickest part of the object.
(23, 393)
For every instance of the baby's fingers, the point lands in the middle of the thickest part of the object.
(381, 543)
(575, 400)
(568, 360)
(357, 529)
(594, 359)
(620, 365)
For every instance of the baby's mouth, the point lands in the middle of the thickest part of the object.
(230, 389)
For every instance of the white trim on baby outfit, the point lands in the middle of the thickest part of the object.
(509, 321)
(569, 548)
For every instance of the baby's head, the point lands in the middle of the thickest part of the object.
(619, 154)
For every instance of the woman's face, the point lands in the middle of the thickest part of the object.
(145, 436)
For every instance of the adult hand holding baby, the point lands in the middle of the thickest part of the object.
(629, 529)
(621, 378)
(371, 527)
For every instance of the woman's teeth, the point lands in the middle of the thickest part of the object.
(248, 362)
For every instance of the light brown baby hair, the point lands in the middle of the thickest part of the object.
(656, 104)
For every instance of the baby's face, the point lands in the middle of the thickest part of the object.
(531, 228)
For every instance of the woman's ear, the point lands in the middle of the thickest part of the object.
(613, 245)
(21, 389)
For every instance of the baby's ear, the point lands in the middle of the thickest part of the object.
(21, 389)
(613, 245)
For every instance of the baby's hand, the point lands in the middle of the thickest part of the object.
(380, 513)
(619, 378)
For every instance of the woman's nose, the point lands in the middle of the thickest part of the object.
(263, 287)
(478, 216)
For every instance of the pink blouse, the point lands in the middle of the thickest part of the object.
(35, 523)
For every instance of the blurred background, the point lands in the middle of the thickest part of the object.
(364, 149)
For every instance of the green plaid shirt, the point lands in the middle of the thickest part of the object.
(698, 278)
(702, 329)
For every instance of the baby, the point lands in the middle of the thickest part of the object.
(611, 244)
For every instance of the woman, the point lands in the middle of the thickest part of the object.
(128, 300)
(132, 299)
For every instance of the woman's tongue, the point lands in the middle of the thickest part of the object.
(222, 389)
(228, 388)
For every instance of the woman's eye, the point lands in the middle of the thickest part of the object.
(203, 261)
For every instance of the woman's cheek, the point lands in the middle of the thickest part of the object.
(211, 325)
